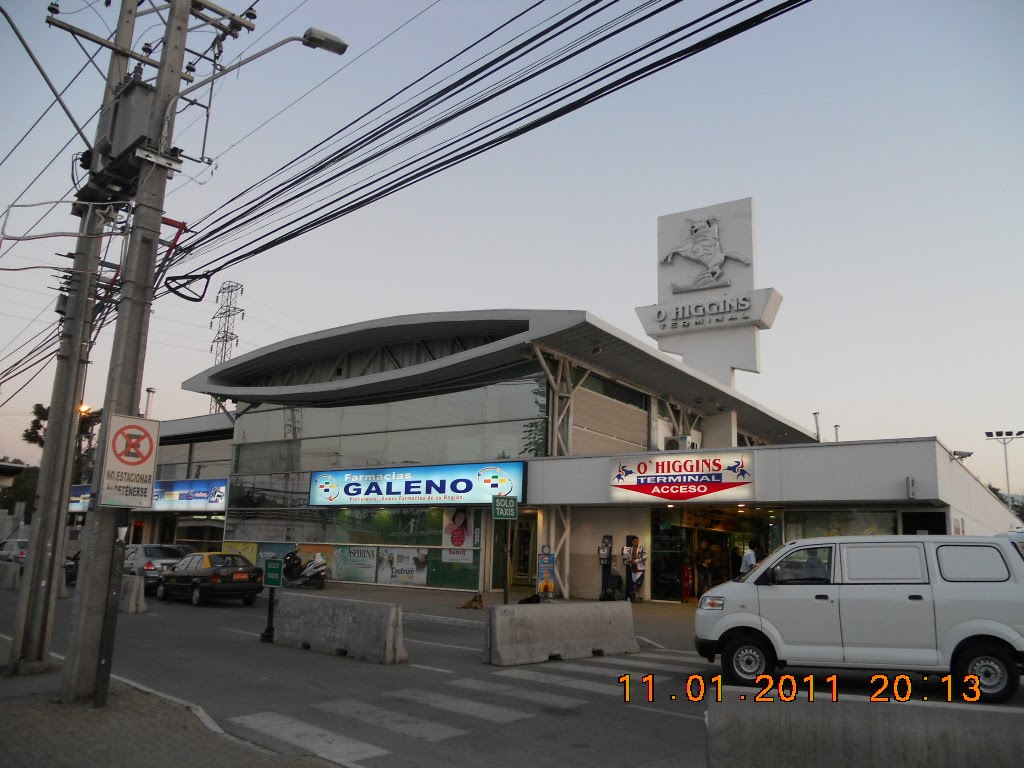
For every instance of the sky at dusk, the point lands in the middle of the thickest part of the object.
(881, 143)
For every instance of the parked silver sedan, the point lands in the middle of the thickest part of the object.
(14, 551)
(150, 560)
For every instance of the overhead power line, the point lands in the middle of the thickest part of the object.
(362, 162)
(319, 191)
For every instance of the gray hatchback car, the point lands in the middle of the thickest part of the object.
(150, 560)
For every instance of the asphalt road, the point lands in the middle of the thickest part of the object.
(445, 707)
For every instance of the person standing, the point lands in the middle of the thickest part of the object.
(634, 559)
(749, 557)
(735, 561)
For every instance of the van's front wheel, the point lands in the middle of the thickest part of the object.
(745, 658)
(995, 669)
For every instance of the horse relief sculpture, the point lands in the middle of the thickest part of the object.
(705, 248)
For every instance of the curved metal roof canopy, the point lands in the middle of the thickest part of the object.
(413, 355)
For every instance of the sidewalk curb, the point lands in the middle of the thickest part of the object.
(196, 710)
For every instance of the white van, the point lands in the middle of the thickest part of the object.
(948, 604)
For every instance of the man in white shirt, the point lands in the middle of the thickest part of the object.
(634, 558)
(749, 557)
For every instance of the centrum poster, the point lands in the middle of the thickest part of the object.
(402, 565)
(684, 477)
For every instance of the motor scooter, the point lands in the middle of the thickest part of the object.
(312, 573)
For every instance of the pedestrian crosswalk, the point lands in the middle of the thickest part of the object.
(353, 733)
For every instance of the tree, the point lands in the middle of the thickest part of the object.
(22, 489)
(1016, 501)
(84, 448)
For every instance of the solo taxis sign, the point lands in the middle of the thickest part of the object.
(684, 477)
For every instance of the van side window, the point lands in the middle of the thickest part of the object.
(812, 565)
(884, 564)
(961, 562)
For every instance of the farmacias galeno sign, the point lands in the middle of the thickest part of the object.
(447, 484)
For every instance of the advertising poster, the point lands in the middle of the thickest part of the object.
(247, 549)
(326, 552)
(402, 565)
(275, 550)
(457, 536)
(447, 484)
(197, 496)
(78, 501)
(546, 573)
(353, 562)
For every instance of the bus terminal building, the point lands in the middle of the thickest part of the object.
(382, 444)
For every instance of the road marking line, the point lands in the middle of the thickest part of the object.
(444, 645)
(470, 707)
(433, 669)
(240, 632)
(607, 672)
(392, 720)
(666, 653)
(331, 746)
(539, 697)
(617, 662)
(611, 689)
(644, 707)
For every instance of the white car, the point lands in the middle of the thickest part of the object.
(947, 604)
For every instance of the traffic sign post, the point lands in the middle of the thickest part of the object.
(273, 572)
(273, 576)
(129, 462)
(505, 508)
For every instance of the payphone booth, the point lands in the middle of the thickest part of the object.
(611, 581)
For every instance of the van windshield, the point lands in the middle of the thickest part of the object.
(753, 572)
(1020, 548)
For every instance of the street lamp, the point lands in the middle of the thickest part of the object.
(1006, 437)
(311, 38)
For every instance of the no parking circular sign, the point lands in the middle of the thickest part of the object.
(129, 462)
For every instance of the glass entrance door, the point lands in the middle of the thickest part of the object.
(524, 551)
(670, 557)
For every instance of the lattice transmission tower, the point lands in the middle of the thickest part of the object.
(226, 338)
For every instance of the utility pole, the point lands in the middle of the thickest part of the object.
(119, 168)
(33, 630)
(94, 615)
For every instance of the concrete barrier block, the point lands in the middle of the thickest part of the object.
(10, 575)
(527, 634)
(133, 595)
(855, 732)
(355, 629)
